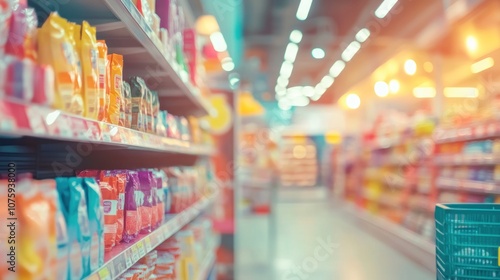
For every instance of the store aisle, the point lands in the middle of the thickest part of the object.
(314, 241)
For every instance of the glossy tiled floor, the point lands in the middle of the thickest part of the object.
(303, 231)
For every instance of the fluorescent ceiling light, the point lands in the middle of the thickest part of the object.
(308, 91)
(461, 92)
(327, 81)
(410, 67)
(337, 68)
(424, 92)
(482, 65)
(291, 52)
(228, 64)
(318, 53)
(381, 89)
(234, 80)
(304, 8)
(385, 8)
(282, 81)
(352, 101)
(363, 35)
(300, 101)
(286, 69)
(279, 88)
(296, 36)
(218, 41)
(351, 51)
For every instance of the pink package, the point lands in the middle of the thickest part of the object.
(146, 208)
(133, 201)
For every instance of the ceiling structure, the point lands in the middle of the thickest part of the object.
(332, 25)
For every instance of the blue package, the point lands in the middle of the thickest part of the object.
(75, 213)
(96, 222)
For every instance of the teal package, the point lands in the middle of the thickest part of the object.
(75, 204)
(96, 222)
(62, 240)
(75, 269)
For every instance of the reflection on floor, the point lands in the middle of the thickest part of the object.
(314, 241)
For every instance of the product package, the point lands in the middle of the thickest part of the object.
(90, 72)
(155, 104)
(119, 182)
(110, 205)
(19, 76)
(173, 127)
(138, 90)
(21, 40)
(5, 15)
(35, 232)
(58, 254)
(133, 201)
(77, 102)
(126, 106)
(102, 50)
(146, 209)
(52, 40)
(115, 90)
(43, 92)
(147, 111)
(75, 212)
(96, 222)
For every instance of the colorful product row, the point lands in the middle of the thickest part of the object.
(178, 258)
(482, 174)
(475, 147)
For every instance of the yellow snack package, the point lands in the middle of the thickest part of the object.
(115, 87)
(88, 57)
(102, 49)
(55, 49)
(77, 106)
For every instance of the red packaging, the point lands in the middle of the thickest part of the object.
(21, 40)
(43, 87)
(121, 182)
(19, 78)
(109, 203)
(154, 207)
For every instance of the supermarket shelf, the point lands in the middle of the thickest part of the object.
(467, 185)
(206, 267)
(477, 131)
(124, 256)
(408, 242)
(54, 134)
(470, 159)
(126, 32)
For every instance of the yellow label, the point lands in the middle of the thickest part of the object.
(104, 274)
(498, 256)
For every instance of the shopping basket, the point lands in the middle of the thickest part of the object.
(467, 241)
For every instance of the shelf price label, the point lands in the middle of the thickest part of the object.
(105, 274)
(128, 258)
(135, 255)
(140, 249)
(147, 242)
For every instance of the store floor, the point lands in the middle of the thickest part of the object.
(315, 241)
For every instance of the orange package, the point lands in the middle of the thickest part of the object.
(30, 241)
(121, 182)
(115, 87)
(109, 203)
(102, 50)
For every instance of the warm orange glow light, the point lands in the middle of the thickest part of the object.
(471, 43)
(482, 65)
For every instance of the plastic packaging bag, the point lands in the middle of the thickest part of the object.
(133, 201)
(89, 58)
(56, 49)
(115, 90)
(138, 90)
(109, 203)
(103, 88)
(146, 209)
(96, 222)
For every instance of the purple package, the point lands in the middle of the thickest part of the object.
(154, 202)
(145, 211)
(133, 202)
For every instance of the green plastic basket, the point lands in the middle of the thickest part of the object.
(467, 241)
